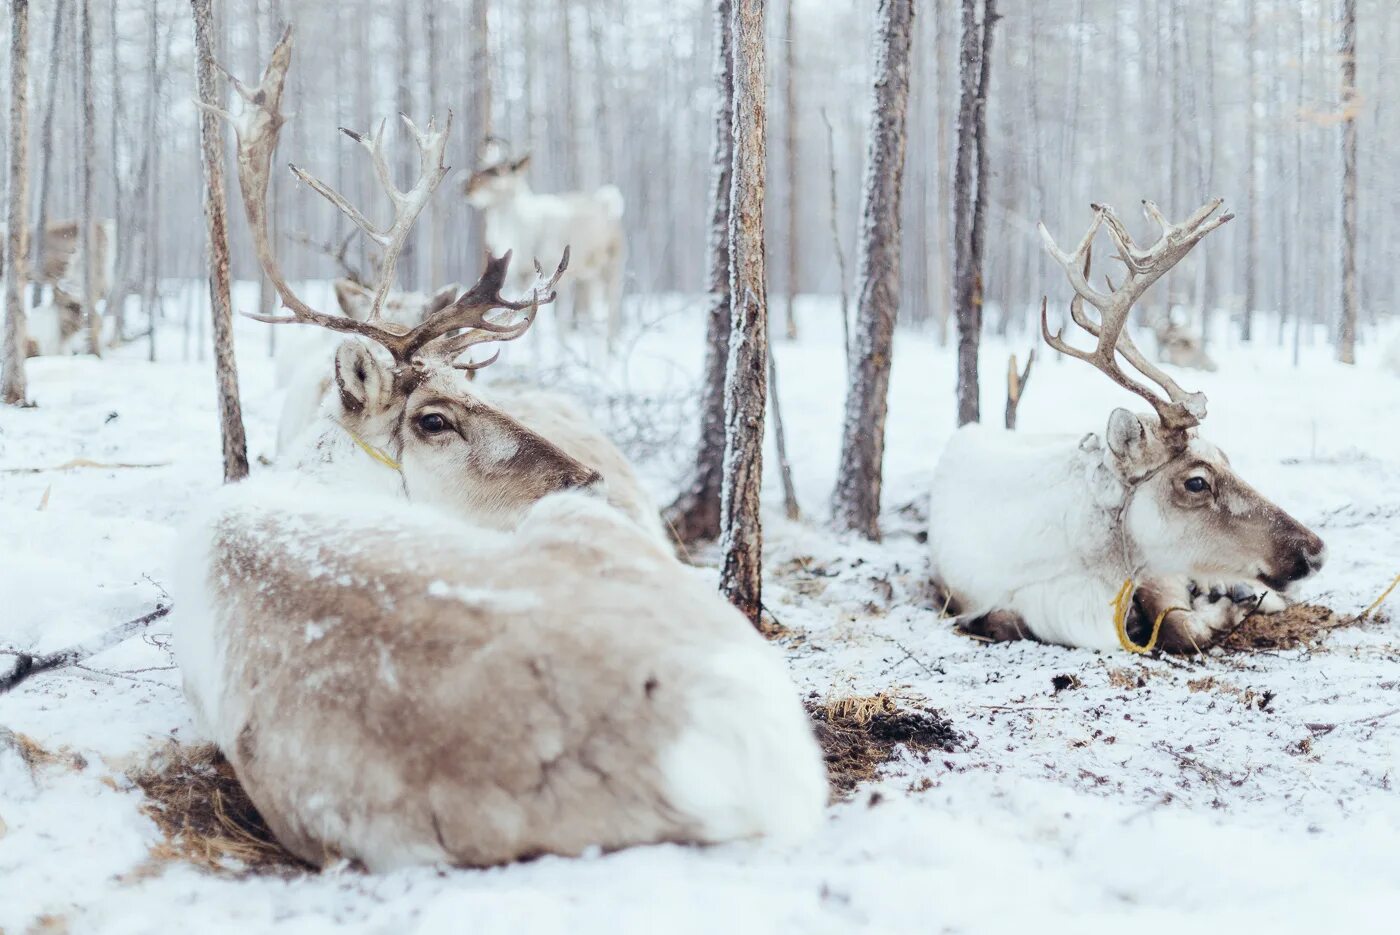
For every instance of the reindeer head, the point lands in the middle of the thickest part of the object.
(1187, 512)
(413, 411)
(498, 178)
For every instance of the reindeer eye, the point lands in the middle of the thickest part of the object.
(431, 423)
(1197, 484)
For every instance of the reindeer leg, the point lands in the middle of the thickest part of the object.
(998, 626)
(1194, 619)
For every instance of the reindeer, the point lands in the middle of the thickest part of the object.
(1147, 510)
(56, 325)
(1180, 347)
(539, 225)
(396, 685)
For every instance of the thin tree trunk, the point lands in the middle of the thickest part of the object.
(1346, 338)
(14, 388)
(117, 288)
(211, 136)
(856, 499)
(945, 181)
(60, 10)
(790, 166)
(481, 103)
(790, 507)
(746, 384)
(969, 316)
(87, 234)
(979, 204)
(695, 513)
(1251, 180)
(836, 242)
(436, 257)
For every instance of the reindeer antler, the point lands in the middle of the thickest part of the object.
(1181, 410)
(445, 334)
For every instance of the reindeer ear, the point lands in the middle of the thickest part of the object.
(1127, 436)
(353, 299)
(361, 379)
(442, 298)
(520, 164)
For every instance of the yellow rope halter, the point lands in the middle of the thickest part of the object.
(377, 454)
(1121, 603)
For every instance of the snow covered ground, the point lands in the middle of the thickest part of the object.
(1249, 791)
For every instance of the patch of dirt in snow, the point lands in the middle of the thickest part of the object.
(1300, 625)
(860, 734)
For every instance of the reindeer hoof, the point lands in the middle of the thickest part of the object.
(997, 626)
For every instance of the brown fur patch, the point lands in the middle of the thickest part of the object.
(859, 734)
(1298, 626)
(208, 820)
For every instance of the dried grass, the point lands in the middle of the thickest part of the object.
(861, 733)
(206, 816)
(1298, 626)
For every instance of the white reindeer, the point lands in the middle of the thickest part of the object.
(530, 224)
(1035, 537)
(56, 326)
(398, 686)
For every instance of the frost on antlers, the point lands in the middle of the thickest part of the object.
(443, 335)
(1181, 410)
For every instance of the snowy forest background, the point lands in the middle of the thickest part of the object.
(1090, 100)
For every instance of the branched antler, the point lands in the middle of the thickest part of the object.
(1182, 409)
(443, 334)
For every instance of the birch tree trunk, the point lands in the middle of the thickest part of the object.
(1346, 338)
(481, 104)
(746, 384)
(60, 11)
(14, 389)
(211, 136)
(979, 205)
(856, 500)
(695, 513)
(790, 168)
(150, 246)
(87, 219)
(1251, 178)
(965, 290)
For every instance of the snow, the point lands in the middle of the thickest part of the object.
(1127, 800)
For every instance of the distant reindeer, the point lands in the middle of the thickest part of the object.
(519, 220)
(56, 326)
(1034, 537)
(397, 686)
(1180, 347)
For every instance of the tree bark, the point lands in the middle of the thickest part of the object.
(480, 104)
(965, 290)
(211, 137)
(790, 167)
(87, 234)
(746, 384)
(979, 214)
(1251, 178)
(13, 386)
(60, 11)
(1346, 339)
(695, 513)
(856, 499)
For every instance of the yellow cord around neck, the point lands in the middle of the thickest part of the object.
(377, 454)
(1121, 603)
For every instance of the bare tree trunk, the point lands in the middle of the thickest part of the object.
(856, 499)
(836, 241)
(60, 10)
(1251, 178)
(979, 209)
(965, 290)
(14, 389)
(1016, 381)
(150, 249)
(211, 137)
(573, 143)
(87, 234)
(945, 182)
(1346, 338)
(790, 160)
(746, 384)
(267, 294)
(790, 508)
(481, 102)
(695, 513)
(436, 258)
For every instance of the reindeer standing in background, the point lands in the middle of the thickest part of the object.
(1147, 511)
(56, 326)
(519, 220)
(396, 685)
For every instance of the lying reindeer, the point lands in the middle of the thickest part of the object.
(1147, 502)
(1178, 346)
(398, 686)
(519, 220)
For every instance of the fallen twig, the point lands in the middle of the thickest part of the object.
(81, 463)
(28, 665)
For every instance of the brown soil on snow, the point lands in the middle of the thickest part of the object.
(859, 734)
(1299, 626)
